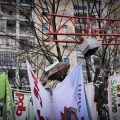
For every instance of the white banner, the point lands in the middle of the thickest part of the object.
(69, 97)
(21, 105)
(89, 88)
(41, 98)
(114, 97)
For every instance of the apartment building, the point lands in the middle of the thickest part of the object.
(15, 36)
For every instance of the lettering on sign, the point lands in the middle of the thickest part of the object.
(36, 93)
(79, 97)
(36, 89)
(114, 97)
(40, 117)
(20, 107)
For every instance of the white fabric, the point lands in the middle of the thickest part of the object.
(89, 88)
(69, 95)
(114, 97)
(41, 98)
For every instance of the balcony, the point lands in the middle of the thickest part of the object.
(23, 44)
(25, 2)
(7, 44)
(8, 58)
(26, 32)
(11, 77)
(9, 15)
(7, 26)
(25, 17)
(11, 29)
(8, 2)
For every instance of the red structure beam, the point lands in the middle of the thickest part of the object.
(107, 19)
(83, 34)
(79, 42)
(90, 29)
(87, 31)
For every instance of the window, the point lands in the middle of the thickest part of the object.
(117, 62)
(84, 7)
(0, 41)
(44, 11)
(11, 27)
(64, 28)
(77, 21)
(10, 12)
(78, 30)
(24, 82)
(66, 60)
(78, 37)
(95, 7)
(4, 41)
(8, 58)
(65, 45)
(23, 1)
(23, 44)
(8, 42)
(77, 47)
(45, 27)
(28, 15)
(63, 1)
(11, 76)
(63, 12)
(80, 7)
(84, 21)
(79, 10)
(13, 42)
(2, 25)
(83, 62)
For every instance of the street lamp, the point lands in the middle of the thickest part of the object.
(89, 46)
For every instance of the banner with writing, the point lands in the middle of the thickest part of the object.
(89, 88)
(21, 104)
(114, 97)
(69, 97)
(41, 98)
(8, 108)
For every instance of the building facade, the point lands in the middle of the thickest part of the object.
(15, 37)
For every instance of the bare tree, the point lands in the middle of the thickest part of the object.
(107, 58)
(29, 19)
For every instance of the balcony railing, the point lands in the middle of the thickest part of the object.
(26, 32)
(8, 58)
(10, 29)
(13, 2)
(9, 16)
